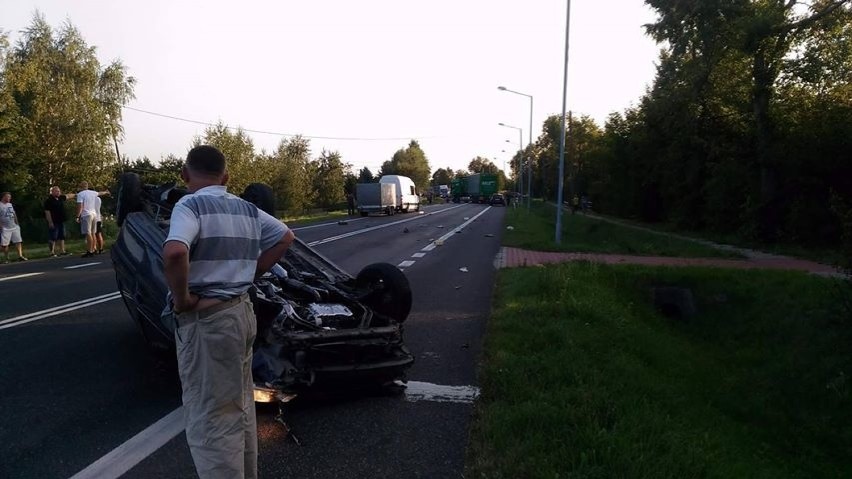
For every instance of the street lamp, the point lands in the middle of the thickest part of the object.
(562, 128)
(520, 165)
(529, 142)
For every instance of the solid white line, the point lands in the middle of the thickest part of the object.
(26, 275)
(418, 391)
(28, 318)
(81, 265)
(429, 247)
(327, 224)
(126, 456)
(378, 227)
(418, 255)
(405, 264)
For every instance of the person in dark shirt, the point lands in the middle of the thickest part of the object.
(54, 213)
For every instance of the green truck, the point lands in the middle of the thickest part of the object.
(476, 188)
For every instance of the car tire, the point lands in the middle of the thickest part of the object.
(390, 292)
(129, 196)
(364, 213)
(260, 195)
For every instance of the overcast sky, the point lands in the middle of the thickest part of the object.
(385, 70)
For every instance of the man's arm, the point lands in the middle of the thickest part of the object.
(270, 256)
(79, 211)
(176, 269)
(103, 193)
(70, 196)
(48, 218)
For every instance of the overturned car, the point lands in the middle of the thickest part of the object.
(317, 326)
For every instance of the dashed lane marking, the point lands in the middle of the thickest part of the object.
(418, 255)
(419, 391)
(84, 265)
(378, 227)
(405, 264)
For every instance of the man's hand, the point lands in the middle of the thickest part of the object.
(186, 303)
(50, 224)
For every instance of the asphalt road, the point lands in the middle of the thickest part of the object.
(76, 381)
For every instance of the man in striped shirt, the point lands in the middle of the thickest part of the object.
(217, 244)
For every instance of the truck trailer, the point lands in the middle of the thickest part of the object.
(376, 198)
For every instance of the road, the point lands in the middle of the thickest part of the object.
(78, 388)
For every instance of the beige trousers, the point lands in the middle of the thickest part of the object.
(214, 351)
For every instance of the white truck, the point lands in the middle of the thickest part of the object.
(407, 198)
(376, 198)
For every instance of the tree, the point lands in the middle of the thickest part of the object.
(760, 33)
(482, 165)
(410, 162)
(442, 176)
(292, 180)
(365, 175)
(329, 182)
(238, 148)
(63, 106)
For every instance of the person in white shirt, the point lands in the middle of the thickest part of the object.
(87, 214)
(10, 231)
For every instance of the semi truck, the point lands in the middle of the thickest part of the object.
(376, 198)
(458, 189)
(476, 188)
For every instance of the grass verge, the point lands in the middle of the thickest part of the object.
(534, 230)
(583, 378)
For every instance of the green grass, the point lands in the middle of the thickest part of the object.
(296, 220)
(583, 378)
(34, 234)
(819, 254)
(535, 231)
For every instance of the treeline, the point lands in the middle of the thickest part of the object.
(747, 129)
(60, 123)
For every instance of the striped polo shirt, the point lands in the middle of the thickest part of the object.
(225, 235)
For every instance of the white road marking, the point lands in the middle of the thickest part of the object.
(452, 232)
(418, 391)
(418, 255)
(46, 313)
(378, 227)
(405, 264)
(139, 447)
(25, 275)
(136, 449)
(327, 224)
(81, 265)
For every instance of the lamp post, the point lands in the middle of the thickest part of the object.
(529, 142)
(562, 132)
(520, 157)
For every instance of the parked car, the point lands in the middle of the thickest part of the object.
(316, 324)
(497, 199)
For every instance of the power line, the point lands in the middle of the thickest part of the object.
(312, 137)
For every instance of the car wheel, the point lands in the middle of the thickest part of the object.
(129, 196)
(364, 213)
(260, 195)
(390, 293)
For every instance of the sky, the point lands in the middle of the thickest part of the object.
(363, 78)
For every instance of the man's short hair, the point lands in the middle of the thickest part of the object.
(3, 195)
(206, 160)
